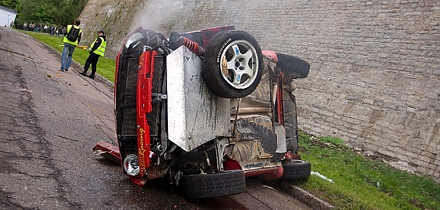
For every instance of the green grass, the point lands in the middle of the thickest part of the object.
(105, 66)
(361, 182)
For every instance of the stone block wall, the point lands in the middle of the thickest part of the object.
(375, 65)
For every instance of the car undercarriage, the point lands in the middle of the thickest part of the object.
(205, 109)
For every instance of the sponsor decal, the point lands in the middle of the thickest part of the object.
(141, 150)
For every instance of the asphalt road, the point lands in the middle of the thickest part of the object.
(51, 120)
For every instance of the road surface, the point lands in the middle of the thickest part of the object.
(51, 120)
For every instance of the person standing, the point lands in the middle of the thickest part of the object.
(70, 44)
(97, 49)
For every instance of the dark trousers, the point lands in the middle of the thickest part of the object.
(91, 60)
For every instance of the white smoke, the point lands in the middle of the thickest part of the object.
(162, 16)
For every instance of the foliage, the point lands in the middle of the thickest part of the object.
(11, 4)
(332, 141)
(52, 12)
(361, 182)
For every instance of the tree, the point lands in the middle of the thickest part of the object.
(11, 4)
(58, 12)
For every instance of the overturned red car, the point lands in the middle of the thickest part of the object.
(205, 109)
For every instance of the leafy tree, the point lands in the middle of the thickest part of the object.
(37, 10)
(11, 4)
(58, 12)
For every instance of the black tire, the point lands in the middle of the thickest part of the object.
(227, 182)
(241, 54)
(297, 169)
(292, 67)
(291, 125)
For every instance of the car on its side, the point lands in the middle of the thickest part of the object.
(205, 109)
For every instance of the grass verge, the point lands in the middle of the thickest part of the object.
(359, 182)
(105, 66)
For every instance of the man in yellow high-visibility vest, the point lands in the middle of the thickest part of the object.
(97, 49)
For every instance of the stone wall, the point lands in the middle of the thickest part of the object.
(375, 65)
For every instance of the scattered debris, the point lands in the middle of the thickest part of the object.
(269, 187)
(25, 90)
(321, 176)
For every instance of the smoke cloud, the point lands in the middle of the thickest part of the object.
(164, 16)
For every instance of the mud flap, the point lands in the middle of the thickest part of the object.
(281, 138)
(108, 151)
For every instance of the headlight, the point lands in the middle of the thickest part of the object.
(131, 165)
(133, 38)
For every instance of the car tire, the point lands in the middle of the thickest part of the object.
(291, 125)
(297, 169)
(292, 67)
(232, 64)
(223, 183)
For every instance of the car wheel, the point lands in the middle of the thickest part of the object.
(232, 65)
(291, 125)
(297, 169)
(223, 183)
(292, 67)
